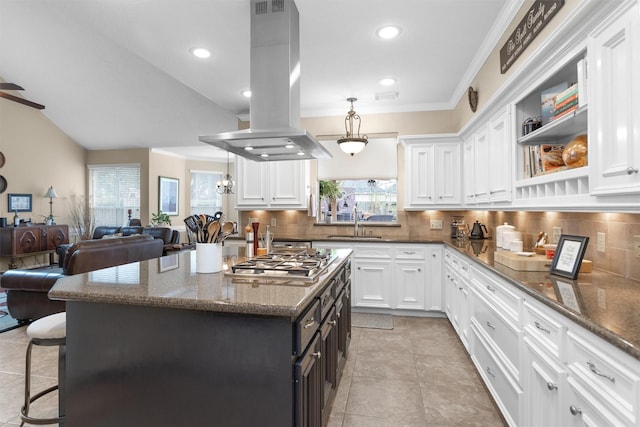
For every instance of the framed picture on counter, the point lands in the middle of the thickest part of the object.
(569, 254)
(20, 202)
(168, 195)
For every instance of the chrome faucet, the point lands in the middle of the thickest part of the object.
(355, 221)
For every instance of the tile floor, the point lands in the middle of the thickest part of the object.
(417, 374)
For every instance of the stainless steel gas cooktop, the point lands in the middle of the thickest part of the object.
(303, 264)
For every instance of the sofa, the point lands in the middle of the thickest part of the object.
(27, 290)
(169, 237)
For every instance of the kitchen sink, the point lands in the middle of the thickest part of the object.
(344, 237)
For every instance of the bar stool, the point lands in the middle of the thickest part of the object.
(47, 331)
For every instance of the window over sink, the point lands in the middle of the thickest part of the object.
(374, 200)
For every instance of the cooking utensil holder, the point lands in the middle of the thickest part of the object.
(208, 257)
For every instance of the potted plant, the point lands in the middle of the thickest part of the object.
(330, 191)
(160, 218)
(82, 217)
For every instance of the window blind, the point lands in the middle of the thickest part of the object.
(114, 189)
(204, 197)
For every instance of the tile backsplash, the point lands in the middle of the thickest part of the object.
(619, 229)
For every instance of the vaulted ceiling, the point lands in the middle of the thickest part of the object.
(119, 74)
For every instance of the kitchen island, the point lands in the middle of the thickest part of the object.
(154, 343)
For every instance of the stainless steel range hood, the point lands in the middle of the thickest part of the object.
(275, 132)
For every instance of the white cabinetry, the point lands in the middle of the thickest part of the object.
(395, 276)
(488, 160)
(456, 282)
(272, 185)
(432, 171)
(372, 276)
(614, 115)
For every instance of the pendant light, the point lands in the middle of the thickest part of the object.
(352, 143)
(226, 185)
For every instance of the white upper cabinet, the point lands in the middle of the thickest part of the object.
(272, 185)
(487, 161)
(432, 171)
(614, 112)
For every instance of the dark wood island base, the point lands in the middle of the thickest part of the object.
(134, 365)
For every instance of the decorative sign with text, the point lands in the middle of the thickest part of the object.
(529, 27)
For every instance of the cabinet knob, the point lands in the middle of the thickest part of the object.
(419, 269)
(631, 170)
(433, 255)
(551, 386)
(575, 411)
(333, 323)
(359, 268)
(317, 355)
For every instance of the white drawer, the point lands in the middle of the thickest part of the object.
(500, 295)
(540, 324)
(504, 334)
(371, 251)
(586, 409)
(508, 395)
(613, 375)
(408, 252)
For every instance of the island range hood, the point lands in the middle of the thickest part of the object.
(274, 113)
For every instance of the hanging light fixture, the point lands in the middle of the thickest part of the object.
(226, 185)
(352, 143)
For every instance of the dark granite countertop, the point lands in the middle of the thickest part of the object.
(172, 282)
(606, 304)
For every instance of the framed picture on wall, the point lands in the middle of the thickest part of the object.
(168, 197)
(19, 202)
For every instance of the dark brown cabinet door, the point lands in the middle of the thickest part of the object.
(27, 240)
(308, 387)
(56, 235)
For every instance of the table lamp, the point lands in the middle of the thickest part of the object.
(51, 194)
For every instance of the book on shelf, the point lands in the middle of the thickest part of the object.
(573, 99)
(565, 112)
(566, 94)
(547, 101)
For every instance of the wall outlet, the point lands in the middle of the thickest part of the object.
(436, 224)
(274, 222)
(636, 246)
(557, 231)
(601, 242)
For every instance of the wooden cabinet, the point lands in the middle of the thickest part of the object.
(272, 185)
(17, 242)
(432, 171)
(614, 113)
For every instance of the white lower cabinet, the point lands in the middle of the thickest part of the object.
(395, 276)
(371, 277)
(545, 384)
(541, 368)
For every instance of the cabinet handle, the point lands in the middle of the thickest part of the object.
(460, 288)
(338, 315)
(317, 355)
(631, 170)
(539, 326)
(595, 370)
(333, 323)
(409, 252)
(575, 411)
(490, 288)
(489, 324)
(490, 373)
(551, 386)
(310, 323)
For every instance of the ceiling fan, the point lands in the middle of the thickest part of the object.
(13, 86)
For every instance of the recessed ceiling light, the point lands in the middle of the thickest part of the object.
(388, 32)
(246, 93)
(248, 148)
(200, 52)
(264, 155)
(387, 81)
(289, 146)
(300, 153)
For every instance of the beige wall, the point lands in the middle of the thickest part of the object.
(38, 155)
(489, 80)
(170, 167)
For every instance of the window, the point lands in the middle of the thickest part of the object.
(374, 199)
(204, 197)
(114, 189)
